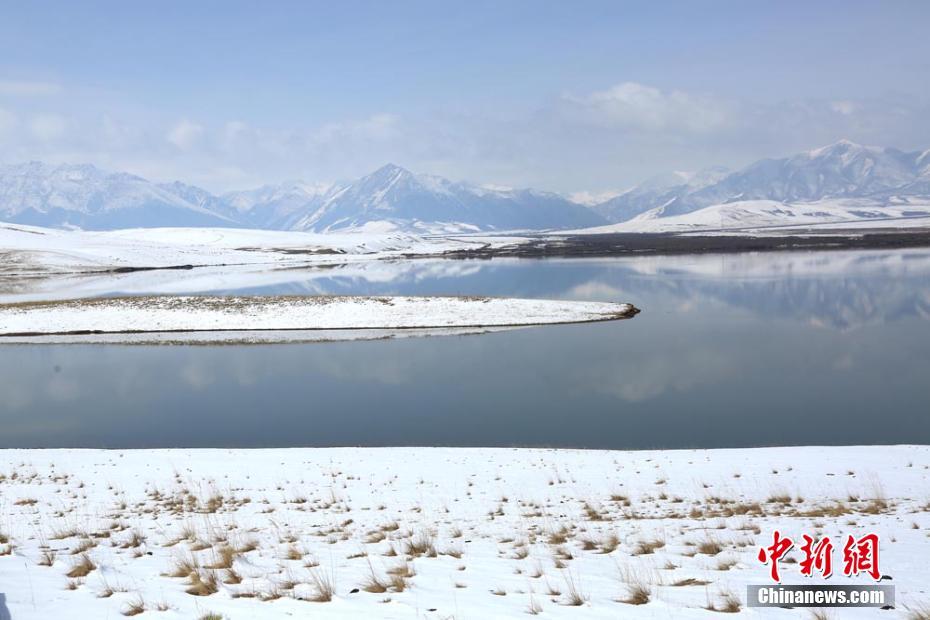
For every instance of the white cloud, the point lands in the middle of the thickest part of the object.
(597, 141)
(185, 134)
(13, 88)
(638, 106)
(376, 127)
(234, 130)
(846, 108)
(48, 127)
(7, 120)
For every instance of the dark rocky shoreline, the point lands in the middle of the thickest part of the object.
(620, 244)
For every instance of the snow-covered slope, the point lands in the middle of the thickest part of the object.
(423, 533)
(762, 214)
(278, 207)
(658, 191)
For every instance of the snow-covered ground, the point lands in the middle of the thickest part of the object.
(755, 215)
(29, 250)
(264, 313)
(443, 533)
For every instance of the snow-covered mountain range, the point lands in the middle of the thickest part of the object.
(844, 181)
(391, 198)
(837, 183)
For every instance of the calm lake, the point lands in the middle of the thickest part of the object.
(729, 351)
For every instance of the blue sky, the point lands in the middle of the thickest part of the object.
(567, 96)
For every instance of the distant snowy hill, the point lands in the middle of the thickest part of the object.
(83, 196)
(842, 170)
(837, 185)
(767, 214)
(390, 198)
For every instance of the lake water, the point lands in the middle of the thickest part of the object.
(729, 351)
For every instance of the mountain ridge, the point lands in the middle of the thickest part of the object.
(83, 196)
(394, 198)
(840, 170)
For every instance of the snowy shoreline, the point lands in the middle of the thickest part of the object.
(440, 532)
(168, 314)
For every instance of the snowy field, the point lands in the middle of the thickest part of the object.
(267, 313)
(443, 533)
(757, 216)
(34, 251)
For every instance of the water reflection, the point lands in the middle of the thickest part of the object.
(729, 351)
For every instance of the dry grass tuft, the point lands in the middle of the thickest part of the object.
(638, 588)
(134, 607)
(373, 583)
(709, 547)
(559, 536)
(404, 569)
(136, 539)
(184, 567)
(610, 543)
(325, 586)
(919, 613)
(574, 597)
(225, 556)
(729, 604)
(82, 567)
(420, 544)
(592, 513)
(690, 581)
(83, 546)
(647, 547)
(534, 608)
(47, 558)
(232, 577)
(202, 583)
(637, 594)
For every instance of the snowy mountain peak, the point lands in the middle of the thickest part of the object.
(844, 151)
(388, 174)
(843, 145)
(394, 195)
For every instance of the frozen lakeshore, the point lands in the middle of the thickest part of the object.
(440, 533)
